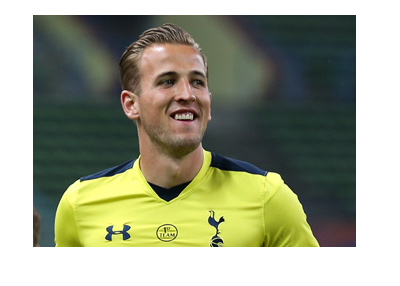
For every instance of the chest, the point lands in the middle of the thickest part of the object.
(201, 219)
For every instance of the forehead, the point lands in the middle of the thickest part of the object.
(159, 58)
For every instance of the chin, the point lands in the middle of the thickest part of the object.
(184, 146)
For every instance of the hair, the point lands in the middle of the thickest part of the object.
(129, 65)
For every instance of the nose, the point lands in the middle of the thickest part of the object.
(185, 92)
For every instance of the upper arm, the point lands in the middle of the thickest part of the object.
(65, 228)
(285, 220)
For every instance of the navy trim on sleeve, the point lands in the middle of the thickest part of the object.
(228, 164)
(110, 171)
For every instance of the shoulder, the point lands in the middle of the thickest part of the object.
(229, 164)
(248, 174)
(110, 171)
(91, 185)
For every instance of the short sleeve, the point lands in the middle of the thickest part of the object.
(65, 228)
(285, 220)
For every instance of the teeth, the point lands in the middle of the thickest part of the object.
(184, 116)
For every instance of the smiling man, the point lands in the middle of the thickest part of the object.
(171, 110)
(176, 193)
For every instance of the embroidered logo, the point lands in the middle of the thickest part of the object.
(167, 232)
(124, 232)
(215, 241)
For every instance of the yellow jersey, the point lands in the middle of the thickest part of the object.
(229, 203)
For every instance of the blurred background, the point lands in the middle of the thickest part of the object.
(284, 99)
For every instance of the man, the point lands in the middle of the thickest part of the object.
(176, 193)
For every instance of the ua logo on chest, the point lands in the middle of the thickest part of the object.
(215, 241)
(124, 232)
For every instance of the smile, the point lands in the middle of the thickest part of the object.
(187, 116)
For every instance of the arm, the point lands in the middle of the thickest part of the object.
(65, 228)
(285, 220)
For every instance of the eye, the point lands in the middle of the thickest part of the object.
(166, 82)
(199, 82)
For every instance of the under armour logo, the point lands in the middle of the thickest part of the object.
(124, 232)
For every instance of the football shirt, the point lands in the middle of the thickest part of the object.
(229, 203)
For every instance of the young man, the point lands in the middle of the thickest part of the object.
(176, 193)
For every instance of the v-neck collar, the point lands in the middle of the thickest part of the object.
(188, 189)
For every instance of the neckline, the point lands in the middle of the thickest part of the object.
(170, 193)
(189, 188)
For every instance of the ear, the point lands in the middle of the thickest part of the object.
(209, 115)
(130, 104)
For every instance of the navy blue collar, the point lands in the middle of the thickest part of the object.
(168, 194)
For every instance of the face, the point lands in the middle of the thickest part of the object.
(173, 108)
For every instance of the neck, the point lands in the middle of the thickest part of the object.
(168, 171)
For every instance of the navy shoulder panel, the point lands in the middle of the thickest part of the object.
(110, 171)
(228, 164)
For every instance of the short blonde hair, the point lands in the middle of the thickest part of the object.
(129, 65)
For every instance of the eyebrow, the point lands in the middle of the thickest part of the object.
(173, 73)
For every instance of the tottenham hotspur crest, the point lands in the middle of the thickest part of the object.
(215, 241)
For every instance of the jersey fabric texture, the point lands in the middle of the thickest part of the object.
(229, 203)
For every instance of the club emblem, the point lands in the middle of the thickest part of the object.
(215, 241)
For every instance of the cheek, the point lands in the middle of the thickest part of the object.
(151, 109)
(207, 106)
